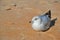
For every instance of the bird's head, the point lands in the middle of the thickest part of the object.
(35, 19)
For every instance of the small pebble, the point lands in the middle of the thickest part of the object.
(14, 5)
(55, 1)
(8, 9)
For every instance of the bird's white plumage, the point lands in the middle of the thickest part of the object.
(40, 22)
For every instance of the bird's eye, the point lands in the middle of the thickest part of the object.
(36, 18)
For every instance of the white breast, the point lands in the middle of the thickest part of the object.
(38, 27)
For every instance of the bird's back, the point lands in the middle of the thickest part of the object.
(45, 19)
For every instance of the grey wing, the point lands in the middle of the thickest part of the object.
(45, 20)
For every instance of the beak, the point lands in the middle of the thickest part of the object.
(29, 21)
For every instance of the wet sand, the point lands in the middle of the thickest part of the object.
(16, 14)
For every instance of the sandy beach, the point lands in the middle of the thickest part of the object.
(16, 14)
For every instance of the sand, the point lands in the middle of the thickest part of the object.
(16, 14)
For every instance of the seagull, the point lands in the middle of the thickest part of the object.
(41, 22)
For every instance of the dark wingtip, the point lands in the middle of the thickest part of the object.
(48, 13)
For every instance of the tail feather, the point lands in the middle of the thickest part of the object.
(48, 13)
